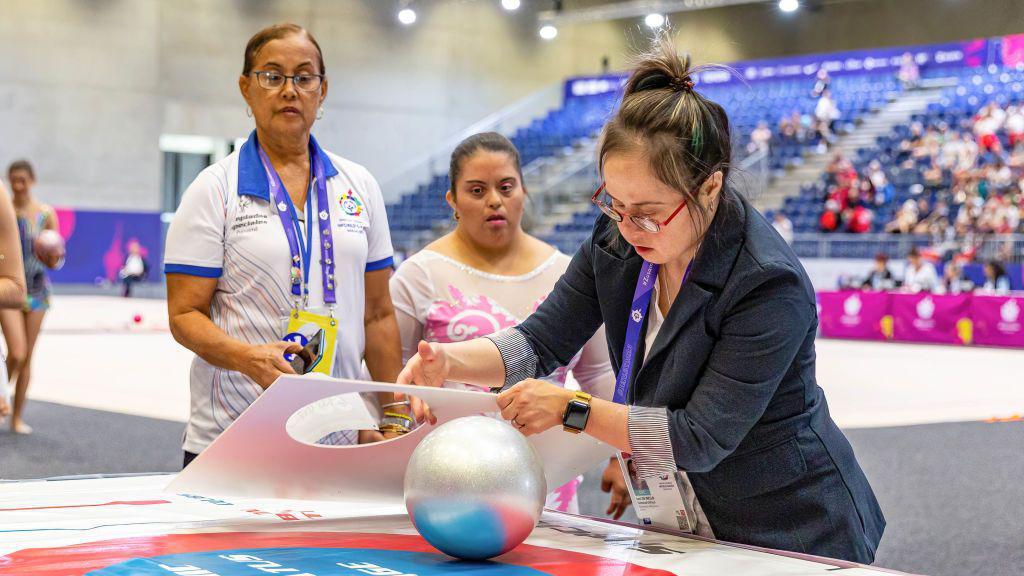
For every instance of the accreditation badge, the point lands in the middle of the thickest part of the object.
(657, 499)
(302, 327)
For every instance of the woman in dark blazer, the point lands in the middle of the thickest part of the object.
(711, 323)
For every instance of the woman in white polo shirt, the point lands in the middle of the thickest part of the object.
(277, 228)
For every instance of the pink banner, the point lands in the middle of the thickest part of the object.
(851, 314)
(1013, 50)
(998, 320)
(926, 317)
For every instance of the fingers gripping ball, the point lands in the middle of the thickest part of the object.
(474, 488)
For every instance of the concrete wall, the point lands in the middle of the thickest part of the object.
(88, 86)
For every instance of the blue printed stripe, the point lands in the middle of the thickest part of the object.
(201, 271)
(380, 264)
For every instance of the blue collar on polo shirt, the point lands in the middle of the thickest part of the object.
(252, 180)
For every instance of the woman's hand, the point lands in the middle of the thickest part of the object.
(264, 363)
(533, 406)
(612, 481)
(428, 367)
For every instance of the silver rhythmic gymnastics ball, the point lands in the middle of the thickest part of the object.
(475, 488)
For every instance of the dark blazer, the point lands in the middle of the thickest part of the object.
(734, 365)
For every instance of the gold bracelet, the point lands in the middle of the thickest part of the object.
(397, 415)
(394, 428)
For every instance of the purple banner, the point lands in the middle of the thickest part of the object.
(970, 53)
(926, 317)
(856, 315)
(998, 321)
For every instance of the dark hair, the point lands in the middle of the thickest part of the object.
(684, 135)
(489, 141)
(997, 269)
(913, 253)
(276, 32)
(21, 165)
(881, 257)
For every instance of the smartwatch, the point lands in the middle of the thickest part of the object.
(576, 413)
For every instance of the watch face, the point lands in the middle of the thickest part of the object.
(576, 414)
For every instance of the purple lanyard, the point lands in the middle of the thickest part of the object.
(637, 312)
(286, 211)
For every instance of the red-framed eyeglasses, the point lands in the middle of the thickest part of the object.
(645, 223)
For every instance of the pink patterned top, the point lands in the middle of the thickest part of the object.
(439, 299)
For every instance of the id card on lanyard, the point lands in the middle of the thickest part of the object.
(303, 323)
(657, 498)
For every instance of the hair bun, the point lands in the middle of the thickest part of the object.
(660, 80)
(681, 84)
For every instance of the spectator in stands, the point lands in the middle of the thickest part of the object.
(937, 216)
(844, 192)
(1015, 125)
(905, 219)
(999, 175)
(883, 189)
(488, 274)
(953, 279)
(783, 226)
(794, 128)
(760, 138)
(836, 166)
(827, 115)
(830, 217)
(787, 130)
(969, 152)
(996, 280)
(12, 281)
(920, 274)
(858, 219)
(909, 74)
(881, 277)
(949, 151)
(822, 82)
(987, 124)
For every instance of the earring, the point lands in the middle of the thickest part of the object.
(320, 113)
(248, 111)
(456, 215)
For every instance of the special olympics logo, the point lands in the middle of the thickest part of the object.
(1009, 311)
(852, 305)
(926, 308)
(350, 204)
(637, 316)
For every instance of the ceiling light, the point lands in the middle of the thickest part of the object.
(407, 16)
(654, 20)
(548, 32)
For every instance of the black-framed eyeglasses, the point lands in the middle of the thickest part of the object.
(645, 223)
(271, 80)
